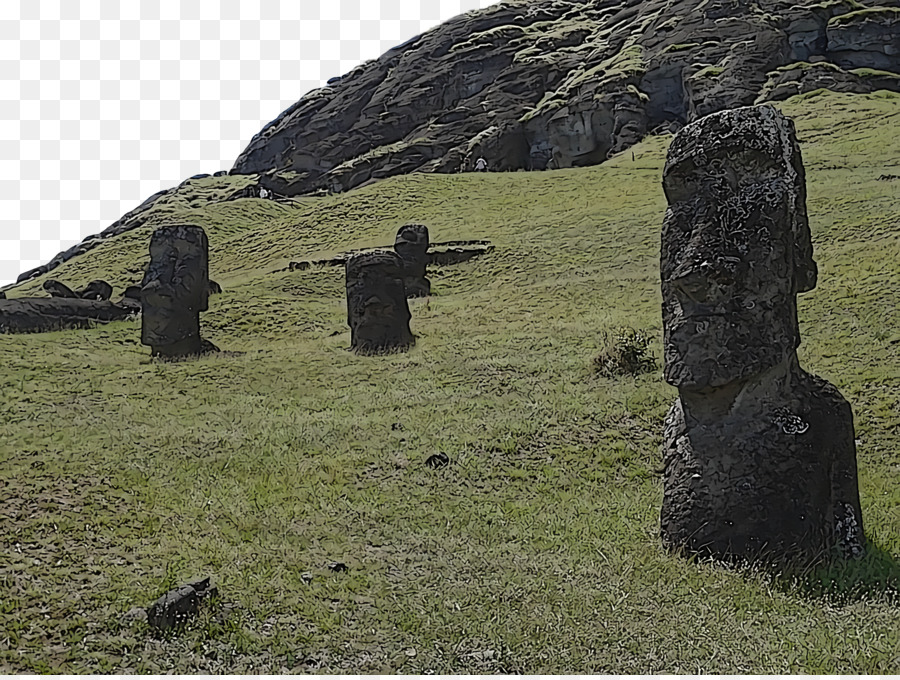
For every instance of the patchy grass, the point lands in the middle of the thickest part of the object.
(536, 549)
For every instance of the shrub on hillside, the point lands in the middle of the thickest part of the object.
(627, 352)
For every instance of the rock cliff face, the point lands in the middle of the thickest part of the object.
(535, 84)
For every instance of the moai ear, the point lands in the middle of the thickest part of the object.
(805, 270)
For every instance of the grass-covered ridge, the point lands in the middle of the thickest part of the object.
(536, 550)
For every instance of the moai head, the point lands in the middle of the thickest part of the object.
(412, 242)
(175, 289)
(736, 247)
(411, 245)
(377, 311)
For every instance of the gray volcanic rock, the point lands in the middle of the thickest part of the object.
(557, 83)
(759, 455)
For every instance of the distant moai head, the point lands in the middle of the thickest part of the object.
(175, 290)
(411, 244)
(377, 311)
(736, 247)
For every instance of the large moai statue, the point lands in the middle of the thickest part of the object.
(377, 311)
(759, 455)
(411, 245)
(174, 291)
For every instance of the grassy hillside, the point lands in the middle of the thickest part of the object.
(536, 550)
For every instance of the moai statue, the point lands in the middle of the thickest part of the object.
(174, 291)
(411, 245)
(377, 311)
(759, 455)
(58, 289)
(96, 290)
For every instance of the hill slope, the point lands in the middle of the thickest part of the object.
(536, 550)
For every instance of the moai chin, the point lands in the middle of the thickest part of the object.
(759, 455)
(411, 245)
(174, 291)
(377, 311)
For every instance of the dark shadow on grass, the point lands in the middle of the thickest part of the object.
(876, 574)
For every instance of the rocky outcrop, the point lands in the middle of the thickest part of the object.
(803, 77)
(561, 83)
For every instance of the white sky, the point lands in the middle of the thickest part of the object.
(103, 103)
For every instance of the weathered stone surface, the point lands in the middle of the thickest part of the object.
(58, 289)
(759, 455)
(411, 245)
(553, 83)
(96, 290)
(36, 315)
(175, 290)
(867, 38)
(377, 311)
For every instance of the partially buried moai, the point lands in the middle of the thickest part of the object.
(174, 291)
(759, 455)
(411, 245)
(377, 311)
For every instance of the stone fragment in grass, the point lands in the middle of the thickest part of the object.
(377, 311)
(176, 607)
(174, 291)
(759, 455)
(438, 460)
(337, 566)
(411, 244)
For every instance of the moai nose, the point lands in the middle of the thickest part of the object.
(695, 284)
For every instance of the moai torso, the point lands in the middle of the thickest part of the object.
(175, 290)
(377, 311)
(411, 245)
(759, 456)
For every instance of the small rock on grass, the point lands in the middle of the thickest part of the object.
(438, 460)
(337, 566)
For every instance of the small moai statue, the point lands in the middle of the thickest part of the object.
(96, 290)
(174, 291)
(411, 245)
(58, 289)
(759, 455)
(377, 311)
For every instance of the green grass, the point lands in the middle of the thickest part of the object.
(536, 550)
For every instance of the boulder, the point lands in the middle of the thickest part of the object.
(759, 455)
(377, 311)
